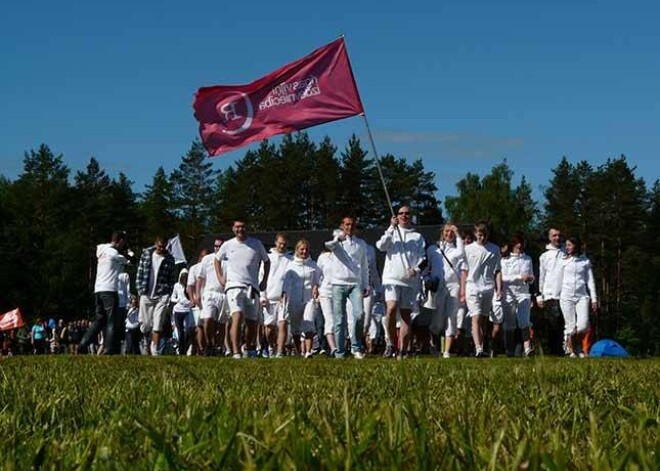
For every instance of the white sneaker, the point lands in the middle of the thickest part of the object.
(237, 356)
(446, 355)
(309, 355)
(358, 355)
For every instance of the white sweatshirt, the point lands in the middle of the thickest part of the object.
(402, 252)
(350, 263)
(182, 303)
(300, 277)
(483, 262)
(278, 266)
(109, 265)
(325, 264)
(577, 279)
(514, 267)
(439, 266)
(550, 272)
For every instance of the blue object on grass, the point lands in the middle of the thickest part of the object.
(607, 348)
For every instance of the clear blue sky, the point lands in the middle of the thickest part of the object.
(461, 84)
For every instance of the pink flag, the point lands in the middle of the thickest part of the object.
(11, 320)
(313, 90)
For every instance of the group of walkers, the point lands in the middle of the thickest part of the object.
(460, 294)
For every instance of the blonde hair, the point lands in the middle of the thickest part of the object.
(301, 243)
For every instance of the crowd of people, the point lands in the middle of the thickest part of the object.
(458, 295)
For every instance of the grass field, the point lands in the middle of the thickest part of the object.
(66, 412)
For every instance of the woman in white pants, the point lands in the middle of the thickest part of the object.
(446, 263)
(324, 262)
(300, 295)
(517, 276)
(578, 291)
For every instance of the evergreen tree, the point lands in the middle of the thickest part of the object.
(157, 208)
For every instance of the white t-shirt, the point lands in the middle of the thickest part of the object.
(278, 267)
(483, 261)
(156, 260)
(207, 272)
(109, 265)
(325, 264)
(243, 261)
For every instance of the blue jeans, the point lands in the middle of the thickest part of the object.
(340, 293)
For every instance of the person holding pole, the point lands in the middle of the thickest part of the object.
(405, 259)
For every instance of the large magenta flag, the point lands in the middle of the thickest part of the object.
(313, 90)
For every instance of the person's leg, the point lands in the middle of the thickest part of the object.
(179, 320)
(160, 313)
(115, 326)
(328, 321)
(570, 323)
(100, 320)
(339, 297)
(582, 322)
(523, 311)
(356, 328)
(235, 333)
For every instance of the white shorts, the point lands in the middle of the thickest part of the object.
(274, 313)
(325, 303)
(152, 313)
(214, 306)
(497, 312)
(197, 317)
(404, 296)
(375, 320)
(446, 311)
(308, 325)
(245, 301)
(480, 304)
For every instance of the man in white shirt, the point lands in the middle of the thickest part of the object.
(550, 270)
(110, 264)
(350, 280)
(405, 259)
(240, 276)
(482, 284)
(196, 298)
(155, 282)
(212, 302)
(274, 314)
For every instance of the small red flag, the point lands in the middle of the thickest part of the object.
(11, 320)
(313, 90)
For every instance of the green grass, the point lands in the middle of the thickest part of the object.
(189, 413)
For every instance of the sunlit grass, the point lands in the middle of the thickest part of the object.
(191, 413)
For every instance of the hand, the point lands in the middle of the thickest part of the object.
(539, 302)
(594, 307)
(264, 302)
(498, 295)
(315, 292)
(394, 221)
(412, 273)
(341, 236)
(461, 297)
(454, 229)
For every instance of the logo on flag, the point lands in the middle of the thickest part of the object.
(316, 89)
(11, 320)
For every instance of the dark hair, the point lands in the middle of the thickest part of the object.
(577, 243)
(517, 238)
(118, 236)
(160, 238)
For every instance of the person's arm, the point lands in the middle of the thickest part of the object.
(461, 291)
(539, 298)
(591, 285)
(219, 273)
(498, 284)
(387, 239)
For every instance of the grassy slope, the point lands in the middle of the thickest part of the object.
(159, 413)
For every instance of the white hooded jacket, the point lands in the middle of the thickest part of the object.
(550, 272)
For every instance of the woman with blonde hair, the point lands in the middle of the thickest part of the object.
(300, 296)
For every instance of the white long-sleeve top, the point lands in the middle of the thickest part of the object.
(402, 252)
(483, 262)
(300, 277)
(350, 263)
(179, 298)
(110, 263)
(577, 279)
(132, 318)
(514, 267)
(550, 272)
(440, 268)
(278, 266)
(325, 264)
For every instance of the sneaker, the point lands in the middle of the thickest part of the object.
(252, 354)
(389, 351)
(333, 353)
(358, 355)
(479, 353)
(446, 355)
(402, 354)
(572, 355)
(228, 353)
(277, 355)
(237, 356)
(309, 355)
(529, 352)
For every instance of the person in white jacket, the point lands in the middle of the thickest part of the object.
(517, 276)
(274, 314)
(446, 264)
(181, 310)
(350, 280)
(300, 292)
(325, 263)
(551, 325)
(404, 260)
(483, 283)
(578, 288)
(214, 309)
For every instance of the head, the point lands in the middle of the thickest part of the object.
(554, 236)
(403, 216)
(517, 243)
(573, 246)
(217, 243)
(280, 242)
(447, 233)
(118, 239)
(161, 245)
(348, 225)
(183, 277)
(302, 249)
(239, 229)
(134, 301)
(480, 233)
(202, 253)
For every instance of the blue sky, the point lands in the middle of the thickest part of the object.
(460, 84)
